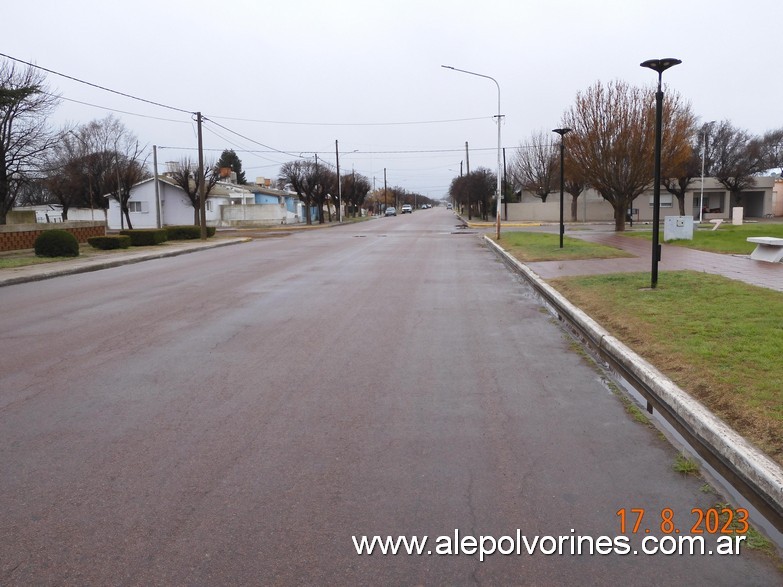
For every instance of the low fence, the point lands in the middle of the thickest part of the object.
(15, 237)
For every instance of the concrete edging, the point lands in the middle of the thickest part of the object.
(746, 461)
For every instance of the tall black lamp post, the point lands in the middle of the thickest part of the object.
(659, 65)
(562, 132)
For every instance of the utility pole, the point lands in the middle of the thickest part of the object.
(384, 190)
(157, 187)
(505, 199)
(467, 172)
(202, 195)
(339, 187)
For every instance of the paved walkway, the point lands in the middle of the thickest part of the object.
(673, 258)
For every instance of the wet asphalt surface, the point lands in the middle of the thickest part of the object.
(234, 417)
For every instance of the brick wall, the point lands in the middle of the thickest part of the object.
(22, 236)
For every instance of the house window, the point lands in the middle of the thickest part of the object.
(666, 201)
(137, 207)
(209, 205)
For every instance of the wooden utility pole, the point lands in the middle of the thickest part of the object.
(339, 187)
(157, 186)
(202, 192)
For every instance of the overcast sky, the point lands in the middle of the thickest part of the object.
(296, 75)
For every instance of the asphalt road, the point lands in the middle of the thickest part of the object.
(236, 416)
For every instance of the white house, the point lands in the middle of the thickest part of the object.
(228, 204)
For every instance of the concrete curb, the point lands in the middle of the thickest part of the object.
(41, 272)
(743, 459)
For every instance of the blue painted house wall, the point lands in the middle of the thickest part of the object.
(266, 199)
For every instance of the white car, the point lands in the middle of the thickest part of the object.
(407, 209)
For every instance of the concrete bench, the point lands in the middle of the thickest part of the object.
(768, 248)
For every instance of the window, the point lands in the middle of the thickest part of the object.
(209, 205)
(137, 207)
(666, 201)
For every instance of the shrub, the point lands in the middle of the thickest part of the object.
(56, 243)
(145, 237)
(106, 243)
(183, 232)
(187, 232)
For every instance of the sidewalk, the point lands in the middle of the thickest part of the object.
(673, 258)
(112, 259)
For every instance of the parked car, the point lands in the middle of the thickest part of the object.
(391, 211)
(407, 209)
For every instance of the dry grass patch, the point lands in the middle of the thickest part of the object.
(719, 340)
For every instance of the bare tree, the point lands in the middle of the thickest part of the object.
(187, 177)
(573, 183)
(355, 188)
(25, 104)
(613, 140)
(734, 156)
(772, 144)
(678, 179)
(300, 176)
(476, 188)
(312, 181)
(535, 166)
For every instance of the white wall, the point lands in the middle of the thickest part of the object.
(257, 214)
(175, 207)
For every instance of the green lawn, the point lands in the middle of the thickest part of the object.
(539, 246)
(727, 239)
(720, 340)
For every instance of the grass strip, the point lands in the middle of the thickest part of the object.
(718, 339)
(727, 239)
(540, 246)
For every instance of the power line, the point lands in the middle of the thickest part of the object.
(249, 139)
(286, 122)
(116, 110)
(105, 89)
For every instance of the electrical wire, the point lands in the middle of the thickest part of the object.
(407, 123)
(116, 110)
(105, 89)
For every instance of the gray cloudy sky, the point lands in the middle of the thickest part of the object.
(296, 75)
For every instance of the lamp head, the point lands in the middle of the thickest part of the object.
(562, 131)
(660, 65)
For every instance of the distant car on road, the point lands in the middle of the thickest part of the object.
(449, 206)
(407, 209)
(391, 211)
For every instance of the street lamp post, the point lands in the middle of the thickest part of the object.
(657, 65)
(562, 132)
(703, 157)
(498, 192)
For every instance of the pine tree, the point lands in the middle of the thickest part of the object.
(230, 159)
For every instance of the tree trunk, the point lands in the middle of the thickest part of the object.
(126, 212)
(574, 208)
(195, 217)
(619, 217)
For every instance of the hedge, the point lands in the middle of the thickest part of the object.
(187, 232)
(56, 243)
(106, 243)
(145, 237)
